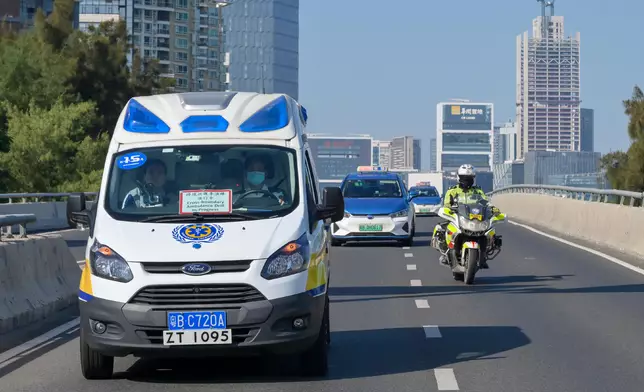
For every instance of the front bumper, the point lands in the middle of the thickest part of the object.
(426, 209)
(348, 229)
(258, 328)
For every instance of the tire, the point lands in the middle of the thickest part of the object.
(314, 361)
(94, 365)
(458, 276)
(408, 242)
(472, 264)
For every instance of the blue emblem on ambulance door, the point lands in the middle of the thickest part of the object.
(197, 234)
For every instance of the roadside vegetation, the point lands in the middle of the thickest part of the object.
(61, 92)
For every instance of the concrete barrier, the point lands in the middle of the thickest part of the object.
(610, 225)
(38, 277)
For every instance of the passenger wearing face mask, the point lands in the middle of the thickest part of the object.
(256, 179)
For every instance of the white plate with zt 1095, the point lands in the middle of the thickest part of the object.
(197, 328)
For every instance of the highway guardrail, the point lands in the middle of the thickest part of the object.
(7, 221)
(612, 196)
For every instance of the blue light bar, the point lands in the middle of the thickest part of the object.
(138, 119)
(304, 114)
(271, 117)
(213, 123)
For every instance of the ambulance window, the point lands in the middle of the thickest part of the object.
(309, 170)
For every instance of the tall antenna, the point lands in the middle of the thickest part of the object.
(544, 21)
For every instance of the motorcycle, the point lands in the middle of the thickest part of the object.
(470, 234)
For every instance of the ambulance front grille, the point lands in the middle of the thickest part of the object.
(207, 294)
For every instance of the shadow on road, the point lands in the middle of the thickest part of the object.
(353, 354)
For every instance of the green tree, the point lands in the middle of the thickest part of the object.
(615, 163)
(50, 150)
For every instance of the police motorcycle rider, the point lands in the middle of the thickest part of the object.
(466, 176)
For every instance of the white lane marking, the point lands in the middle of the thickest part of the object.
(406, 247)
(80, 262)
(27, 353)
(432, 331)
(422, 304)
(446, 379)
(409, 255)
(589, 250)
(411, 267)
(73, 330)
(9, 354)
(416, 282)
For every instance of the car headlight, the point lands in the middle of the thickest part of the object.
(107, 264)
(473, 225)
(288, 260)
(400, 214)
(347, 215)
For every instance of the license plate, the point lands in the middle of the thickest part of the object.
(425, 210)
(197, 328)
(370, 227)
(197, 337)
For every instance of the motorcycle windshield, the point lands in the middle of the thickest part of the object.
(473, 206)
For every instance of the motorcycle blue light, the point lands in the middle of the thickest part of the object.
(271, 117)
(138, 119)
(214, 123)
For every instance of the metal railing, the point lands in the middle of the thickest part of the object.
(7, 221)
(613, 196)
(38, 197)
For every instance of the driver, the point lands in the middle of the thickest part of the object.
(155, 179)
(256, 179)
(466, 176)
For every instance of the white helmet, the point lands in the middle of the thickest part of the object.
(466, 175)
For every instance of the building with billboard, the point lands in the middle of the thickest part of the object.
(337, 156)
(548, 86)
(464, 134)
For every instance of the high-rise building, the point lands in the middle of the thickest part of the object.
(263, 41)
(20, 14)
(464, 134)
(402, 153)
(432, 154)
(187, 37)
(505, 142)
(587, 130)
(417, 155)
(381, 153)
(548, 86)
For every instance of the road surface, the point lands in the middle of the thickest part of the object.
(544, 317)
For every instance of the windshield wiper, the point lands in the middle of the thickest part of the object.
(197, 217)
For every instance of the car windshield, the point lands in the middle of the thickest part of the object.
(371, 188)
(220, 182)
(425, 191)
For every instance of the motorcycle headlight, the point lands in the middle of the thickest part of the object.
(288, 260)
(400, 214)
(473, 225)
(107, 264)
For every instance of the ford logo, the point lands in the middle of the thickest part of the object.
(369, 216)
(196, 269)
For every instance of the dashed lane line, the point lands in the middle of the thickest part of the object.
(422, 304)
(409, 255)
(411, 267)
(446, 379)
(8, 356)
(432, 331)
(415, 282)
(406, 247)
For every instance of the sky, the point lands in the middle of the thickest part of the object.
(380, 67)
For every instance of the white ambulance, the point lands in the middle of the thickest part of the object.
(209, 235)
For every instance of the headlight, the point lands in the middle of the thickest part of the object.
(288, 260)
(106, 263)
(347, 215)
(400, 214)
(473, 225)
